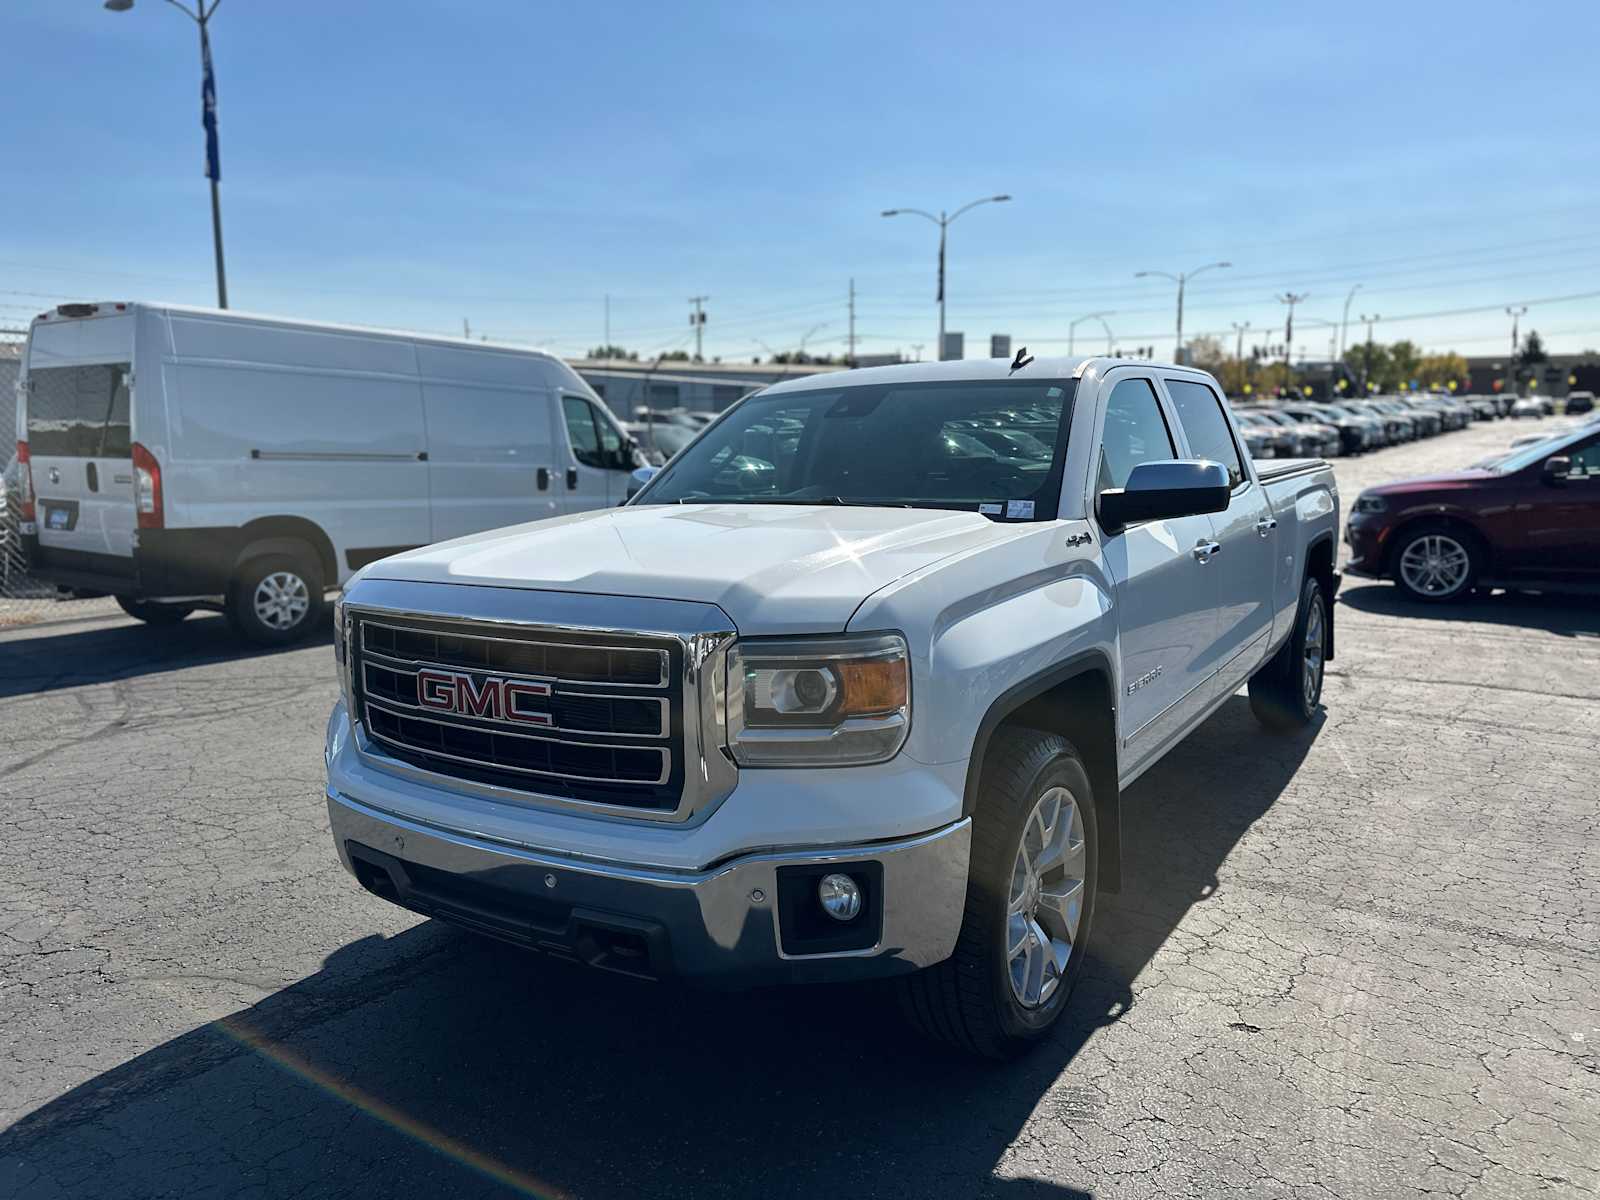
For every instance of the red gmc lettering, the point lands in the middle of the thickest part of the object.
(492, 697)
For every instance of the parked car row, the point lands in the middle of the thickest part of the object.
(1307, 429)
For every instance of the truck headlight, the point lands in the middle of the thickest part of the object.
(836, 701)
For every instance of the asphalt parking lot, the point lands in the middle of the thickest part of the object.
(1362, 962)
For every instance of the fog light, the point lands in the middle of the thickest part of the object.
(840, 896)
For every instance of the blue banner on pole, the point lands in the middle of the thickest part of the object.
(208, 114)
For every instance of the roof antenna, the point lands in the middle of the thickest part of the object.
(1022, 359)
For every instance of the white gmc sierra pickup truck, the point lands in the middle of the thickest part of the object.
(850, 688)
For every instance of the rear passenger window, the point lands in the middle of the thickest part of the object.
(1200, 414)
(1135, 432)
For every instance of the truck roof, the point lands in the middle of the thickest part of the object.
(1042, 367)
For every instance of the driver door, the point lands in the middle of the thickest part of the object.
(1558, 520)
(599, 457)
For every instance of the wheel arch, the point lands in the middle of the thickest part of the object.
(289, 536)
(1075, 698)
(1440, 516)
(1320, 560)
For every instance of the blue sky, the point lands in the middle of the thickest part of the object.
(511, 164)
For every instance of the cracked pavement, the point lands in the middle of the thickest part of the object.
(1361, 962)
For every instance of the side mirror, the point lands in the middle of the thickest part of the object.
(1157, 491)
(1556, 468)
(639, 478)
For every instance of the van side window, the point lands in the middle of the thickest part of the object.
(1135, 432)
(581, 431)
(1200, 414)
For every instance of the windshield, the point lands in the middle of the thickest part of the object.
(1526, 456)
(957, 445)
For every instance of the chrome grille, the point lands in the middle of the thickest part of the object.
(581, 716)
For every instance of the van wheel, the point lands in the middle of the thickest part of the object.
(152, 613)
(1030, 903)
(1285, 692)
(275, 600)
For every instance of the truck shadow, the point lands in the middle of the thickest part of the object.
(47, 659)
(1565, 614)
(432, 1063)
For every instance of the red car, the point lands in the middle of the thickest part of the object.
(1529, 519)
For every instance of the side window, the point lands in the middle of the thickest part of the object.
(581, 432)
(1585, 461)
(1200, 414)
(1135, 432)
(610, 439)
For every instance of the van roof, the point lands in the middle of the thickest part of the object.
(113, 308)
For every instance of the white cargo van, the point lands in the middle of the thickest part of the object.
(182, 458)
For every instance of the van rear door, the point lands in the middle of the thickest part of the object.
(79, 436)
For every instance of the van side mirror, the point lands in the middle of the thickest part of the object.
(1556, 469)
(639, 478)
(1157, 491)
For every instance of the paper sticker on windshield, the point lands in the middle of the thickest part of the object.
(1019, 510)
(990, 510)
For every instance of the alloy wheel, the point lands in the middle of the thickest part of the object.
(281, 600)
(1045, 905)
(1312, 649)
(1435, 565)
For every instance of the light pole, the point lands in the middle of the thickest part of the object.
(1516, 315)
(943, 221)
(1291, 299)
(1180, 280)
(1366, 363)
(1344, 323)
(208, 118)
(1072, 325)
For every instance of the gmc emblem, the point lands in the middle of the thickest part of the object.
(489, 696)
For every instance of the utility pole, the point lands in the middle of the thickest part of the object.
(607, 342)
(466, 329)
(1366, 364)
(1291, 299)
(1238, 346)
(1344, 324)
(698, 319)
(1516, 315)
(851, 341)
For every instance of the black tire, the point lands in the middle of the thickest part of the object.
(1285, 692)
(153, 613)
(300, 576)
(968, 1000)
(1450, 539)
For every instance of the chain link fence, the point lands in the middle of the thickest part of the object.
(24, 600)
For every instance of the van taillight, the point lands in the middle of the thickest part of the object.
(147, 488)
(26, 500)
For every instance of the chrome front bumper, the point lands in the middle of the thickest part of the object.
(719, 925)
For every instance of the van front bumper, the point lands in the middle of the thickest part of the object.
(752, 919)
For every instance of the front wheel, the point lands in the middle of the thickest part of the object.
(275, 600)
(1285, 692)
(1435, 562)
(153, 613)
(1030, 903)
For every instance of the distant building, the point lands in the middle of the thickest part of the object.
(1551, 376)
(627, 386)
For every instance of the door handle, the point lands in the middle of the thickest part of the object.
(1205, 550)
(572, 479)
(542, 478)
(1266, 525)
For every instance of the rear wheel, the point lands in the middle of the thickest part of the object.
(1435, 562)
(1285, 692)
(1030, 903)
(276, 600)
(153, 613)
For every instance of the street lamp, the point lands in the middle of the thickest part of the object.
(1072, 326)
(943, 221)
(200, 15)
(1344, 323)
(1180, 280)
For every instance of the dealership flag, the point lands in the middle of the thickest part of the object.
(208, 114)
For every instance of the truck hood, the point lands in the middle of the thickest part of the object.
(773, 569)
